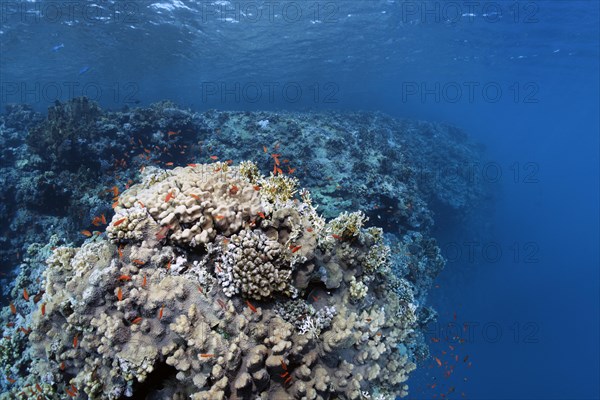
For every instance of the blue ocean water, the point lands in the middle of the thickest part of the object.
(522, 78)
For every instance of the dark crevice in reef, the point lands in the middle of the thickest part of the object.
(159, 380)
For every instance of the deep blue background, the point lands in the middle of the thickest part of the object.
(534, 308)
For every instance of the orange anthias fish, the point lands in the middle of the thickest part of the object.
(169, 164)
(119, 294)
(160, 312)
(13, 309)
(137, 320)
(171, 133)
(295, 248)
(233, 191)
(251, 306)
(169, 196)
(144, 282)
(87, 233)
(43, 309)
(214, 157)
(261, 214)
(437, 360)
(205, 355)
(25, 294)
(195, 196)
(119, 221)
(124, 278)
(138, 262)
(75, 341)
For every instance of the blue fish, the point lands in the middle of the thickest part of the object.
(84, 70)
(58, 47)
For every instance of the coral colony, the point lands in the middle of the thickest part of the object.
(212, 279)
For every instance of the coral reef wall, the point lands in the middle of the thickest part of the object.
(151, 264)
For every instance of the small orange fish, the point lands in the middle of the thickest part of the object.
(171, 133)
(219, 217)
(195, 196)
(137, 320)
(13, 309)
(169, 196)
(25, 331)
(229, 162)
(437, 360)
(62, 366)
(11, 380)
(256, 187)
(214, 157)
(287, 380)
(141, 204)
(144, 282)
(25, 294)
(233, 191)
(291, 170)
(138, 262)
(265, 149)
(192, 165)
(168, 266)
(115, 204)
(261, 214)
(10, 324)
(103, 219)
(169, 164)
(120, 251)
(283, 365)
(147, 151)
(38, 387)
(119, 221)
(309, 229)
(336, 236)
(119, 294)
(87, 233)
(43, 309)
(295, 248)
(206, 355)
(124, 278)
(284, 374)
(114, 190)
(160, 312)
(250, 306)
(75, 341)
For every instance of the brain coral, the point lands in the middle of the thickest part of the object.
(209, 286)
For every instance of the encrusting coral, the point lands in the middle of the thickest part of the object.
(216, 282)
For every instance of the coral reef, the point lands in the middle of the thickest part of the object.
(214, 280)
(208, 287)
